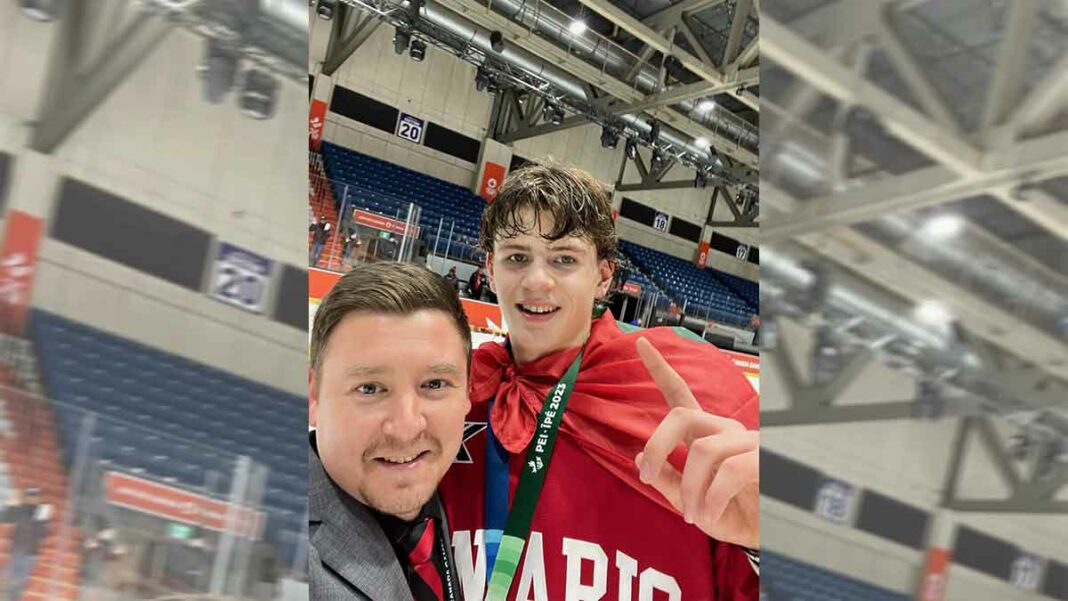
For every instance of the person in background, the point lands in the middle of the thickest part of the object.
(100, 549)
(320, 232)
(31, 518)
(390, 352)
(352, 242)
(452, 279)
(476, 283)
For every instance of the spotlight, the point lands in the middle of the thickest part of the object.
(700, 180)
(219, 70)
(326, 8)
(654, 132)
(657, 162)
(701, 143)
(497, 42)
(826, 358)
(552, 113)
(1020, 446)
(482, 79)
(417, 51)
(609, 138)
(577, 27)
(401, 40)
(706, 106)
(631, 149)
(258, 96)
(944, 226)
(41, 10)
(929, 401)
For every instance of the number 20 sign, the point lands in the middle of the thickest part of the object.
(410, 128)
(240, 278)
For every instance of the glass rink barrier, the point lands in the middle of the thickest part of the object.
(350, 224)
(114, 500)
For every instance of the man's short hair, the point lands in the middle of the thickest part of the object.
(578, 203)
(390, 288)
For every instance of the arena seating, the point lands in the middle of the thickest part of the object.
(786, 579)
(385, 188)
(172, 419)
(701, 288)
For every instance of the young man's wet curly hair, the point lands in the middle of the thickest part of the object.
(578, 204)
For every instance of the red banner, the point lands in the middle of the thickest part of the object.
(316, 120)
(492, 176)
(383, 223)
(632, 289)
(935, 573)
(18, 262)
(179, 505)
(702, 254)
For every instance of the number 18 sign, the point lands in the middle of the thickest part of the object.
(240, 278)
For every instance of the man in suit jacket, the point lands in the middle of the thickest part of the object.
(390, 351)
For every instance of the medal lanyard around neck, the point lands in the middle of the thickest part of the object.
(503, 553)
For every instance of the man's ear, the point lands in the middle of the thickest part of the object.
(489, 272)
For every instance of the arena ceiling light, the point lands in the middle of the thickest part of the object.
(934, 314)
(259, 95)
(706, 106)
(401, 40)
(482, 79)
(944, 226)
(325, 9)
(219, 70)
(417, 50)
(609, 137)
(41, 10)
(577, 27)
(497, 41)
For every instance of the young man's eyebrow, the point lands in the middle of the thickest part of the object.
(513, 246)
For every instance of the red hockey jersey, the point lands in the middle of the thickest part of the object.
(598, 532)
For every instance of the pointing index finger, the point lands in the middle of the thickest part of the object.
(675, 390)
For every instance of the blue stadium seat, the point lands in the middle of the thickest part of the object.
(170, 418)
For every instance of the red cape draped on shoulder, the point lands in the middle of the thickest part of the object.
(615, 406)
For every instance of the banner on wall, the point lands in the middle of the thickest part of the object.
(384, 224)
(492, 176)
(935, 572)
(632, 289)
(702, 254)
(316, 121)
(240, 278)
(168, 502)
(18, 264)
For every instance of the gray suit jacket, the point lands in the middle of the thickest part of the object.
(349, 556)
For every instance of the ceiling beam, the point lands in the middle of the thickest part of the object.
(673, 13)
(734, 38)
(1010, 67)
(914, 77)
(515, 33)
(786, 48)
(663, 45)
(73, 94)
(928, 187)
(1048, 98)
(695, 43)
(680, 93)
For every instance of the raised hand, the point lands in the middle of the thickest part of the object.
(719, 487)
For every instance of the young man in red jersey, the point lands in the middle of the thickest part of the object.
(596, 464)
